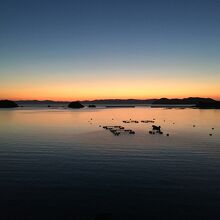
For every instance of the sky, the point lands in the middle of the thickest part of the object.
(97, 49)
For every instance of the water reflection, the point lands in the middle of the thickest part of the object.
(60, 164)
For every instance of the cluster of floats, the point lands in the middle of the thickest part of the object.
(117, 130)
(157, 130)
(134, 121)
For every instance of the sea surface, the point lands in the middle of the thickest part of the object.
(57, 163)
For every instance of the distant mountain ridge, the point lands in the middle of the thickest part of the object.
(162, 101)
(120, 101)
(184, 101)
(98, 101)
(46, 102)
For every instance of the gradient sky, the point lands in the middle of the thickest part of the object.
(94, 49)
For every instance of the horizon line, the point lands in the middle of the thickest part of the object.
(112, 99)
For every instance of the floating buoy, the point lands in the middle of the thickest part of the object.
(168, 135)
(212, 128)
(194, 126)
(210, 134)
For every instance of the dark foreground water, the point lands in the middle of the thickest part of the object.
(59, 164)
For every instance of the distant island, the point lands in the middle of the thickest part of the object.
(202, 103)
(8, 104)
(209, 105)
(75, 104)
(184, 101)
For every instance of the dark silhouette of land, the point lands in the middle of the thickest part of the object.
(76, 104)
(119, 101)
(184, 101)
(196, 102)
(208, 105)
(43, 102)
(89, 102)
(201, 103)
(7, 104)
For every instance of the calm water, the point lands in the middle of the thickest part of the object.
(59, 164)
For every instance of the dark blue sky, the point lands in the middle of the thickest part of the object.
(81, 41)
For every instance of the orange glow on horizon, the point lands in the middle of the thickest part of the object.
(109, 90)
(110, 84)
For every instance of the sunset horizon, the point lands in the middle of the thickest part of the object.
(105, 98)
(109, 50)
(109, 109)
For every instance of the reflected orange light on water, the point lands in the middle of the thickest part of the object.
(43, 117)
(83, 126)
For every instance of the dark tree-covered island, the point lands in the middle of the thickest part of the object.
(184, 101)
(75, 104)
(8, 104)
(208, 105)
